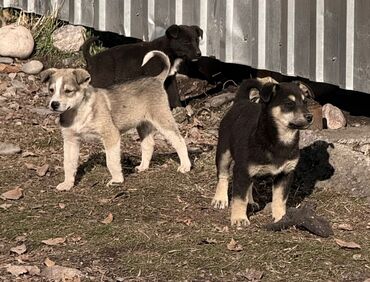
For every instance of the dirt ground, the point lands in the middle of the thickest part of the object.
(163, 228)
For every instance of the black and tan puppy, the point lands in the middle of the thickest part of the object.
(262, 139)
(122, 63)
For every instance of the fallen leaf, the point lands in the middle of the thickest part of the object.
(357, 257)
(32, 269)
(48, 262)
(5, 68)
(5, 206)
(234, 246)
(108, 219)
(42, 170)
(209, 241)
(345, 226)
(61, 205)
(21, 238)
(30, 166)
(54, 241)
(187, 222)
(13, 194)
(28, 154)
(21, 249)
(61, 273)
(17, 269)
(253, 275)
(348, 245)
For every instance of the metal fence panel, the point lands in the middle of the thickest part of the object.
(323, 40)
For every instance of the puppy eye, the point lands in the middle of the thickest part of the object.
(67, 91)
(290, 103)
(51, 90)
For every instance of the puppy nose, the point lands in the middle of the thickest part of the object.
(55, 105)
(308, 117)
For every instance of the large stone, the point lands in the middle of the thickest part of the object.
(6, 60)
(334, 117)
(32, 67)
(69, 38)
(16, 41)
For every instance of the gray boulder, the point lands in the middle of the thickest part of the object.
(32, 67)
(16, 41)
(69, 38)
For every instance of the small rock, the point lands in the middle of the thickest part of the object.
(9, 149)
(10, 92)
(12, 75)
(16, 41)
(69, 38)
(32, 67)
(6, 60)
(334, 117)
(3, 99)
(18, 84)
(31, 78)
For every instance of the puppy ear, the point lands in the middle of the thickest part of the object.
(46, 74)
(198, 30)
(82, 77)
(173, 31)
(254, 95)
(307, 91)
(268, 91)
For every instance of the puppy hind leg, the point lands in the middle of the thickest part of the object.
(145, 131)
(112, 145)
(280, 195)
(255, 206)
(223, 160)
(241, 184)
(166, 125)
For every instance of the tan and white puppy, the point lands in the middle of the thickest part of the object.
(86, 111)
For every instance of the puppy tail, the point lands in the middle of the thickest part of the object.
(163, 75)
(86, 48)
(247, 89)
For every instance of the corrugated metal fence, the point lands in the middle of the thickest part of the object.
(323, 40)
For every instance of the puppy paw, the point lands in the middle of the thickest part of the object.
(239, 221)
(220, 203)
(184, 168)
(115, 181)
(64, 186)
(141, 168)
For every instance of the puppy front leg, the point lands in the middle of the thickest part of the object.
(223, 160)
(241, 184)
(71, 149)
(280, 195)
(112, 145)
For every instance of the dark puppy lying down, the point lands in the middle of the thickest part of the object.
(262, 139)
(123, 62)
